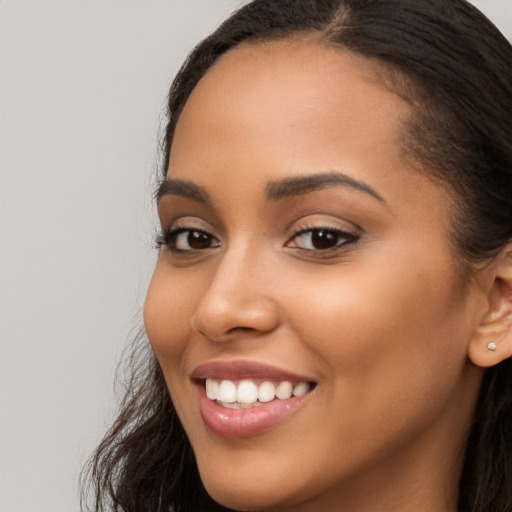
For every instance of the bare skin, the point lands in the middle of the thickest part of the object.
(374, 312)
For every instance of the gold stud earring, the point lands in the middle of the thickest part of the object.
(492, 346)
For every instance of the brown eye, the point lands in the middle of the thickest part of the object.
(199, 240)
(321, 239)
(192, 240)
(324, 239)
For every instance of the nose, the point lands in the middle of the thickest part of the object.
(238, 301)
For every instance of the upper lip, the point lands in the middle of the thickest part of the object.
(237, 370)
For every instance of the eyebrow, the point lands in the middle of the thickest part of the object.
(299, 185)
(182, 188)
(275, 190)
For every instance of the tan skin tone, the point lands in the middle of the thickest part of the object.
(381, 321)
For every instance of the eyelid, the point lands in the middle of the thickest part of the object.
(189, 223)
(317, 222)
(347, 233)
(182, 225)
(343, 238)
(169, 238)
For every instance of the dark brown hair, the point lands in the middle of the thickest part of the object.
(455, 69)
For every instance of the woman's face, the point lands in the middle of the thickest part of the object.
(302, 247)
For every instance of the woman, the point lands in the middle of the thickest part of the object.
(331, 312)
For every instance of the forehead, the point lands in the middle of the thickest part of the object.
(298, 89)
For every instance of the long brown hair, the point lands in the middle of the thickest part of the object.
(454, 67)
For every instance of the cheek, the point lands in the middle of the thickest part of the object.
(167, 312)
(383, 340)
(383, 328)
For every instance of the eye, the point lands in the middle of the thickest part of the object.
(322, 239)
(185, 240)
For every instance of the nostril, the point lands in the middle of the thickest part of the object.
(239, 329)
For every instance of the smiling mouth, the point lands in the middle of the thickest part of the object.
(248, 393)
(239, 399)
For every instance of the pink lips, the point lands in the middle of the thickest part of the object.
(239, 423)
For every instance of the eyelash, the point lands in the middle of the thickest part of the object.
(169, 237)
(342, 237)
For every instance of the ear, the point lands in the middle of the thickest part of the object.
(492, 340)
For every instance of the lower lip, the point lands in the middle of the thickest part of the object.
(238, 423)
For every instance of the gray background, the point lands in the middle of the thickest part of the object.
(82, 88)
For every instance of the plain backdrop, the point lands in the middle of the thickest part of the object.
(82, 90)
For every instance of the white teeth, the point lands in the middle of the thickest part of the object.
(301, 389)
(227, 392)
(233, 405)
(266, 392)
(284, 390)
(212, 389)
(236, 405)
(248, 394)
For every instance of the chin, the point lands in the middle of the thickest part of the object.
(250, 495)
(241, 500)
